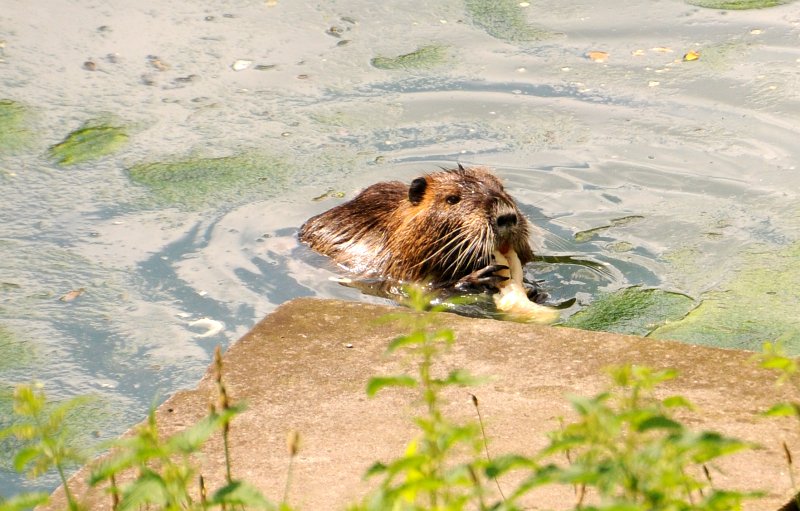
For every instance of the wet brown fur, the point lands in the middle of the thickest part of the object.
(392, 230)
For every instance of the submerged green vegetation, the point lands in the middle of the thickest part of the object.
(632, 310)
(90, 142)
(738, 4)
(14, 132)
(13, 351)
(425, 57)
(504, 19)
(759, 303)
(196, 182)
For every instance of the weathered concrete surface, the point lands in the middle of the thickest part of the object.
(296, 372)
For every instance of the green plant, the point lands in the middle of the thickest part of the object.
(427, 476)
(24, 501)
(163, 467)
(629, 450)
(45, 441)
(774, 357)
(626, 448)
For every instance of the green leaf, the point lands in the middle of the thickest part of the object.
(148, 488)
(445, 335)
(379, 382)
(709, 445)
(115, 464)
(408, 463)
(25, 456)
(623, 506)
(192, 439)
(658, 422)
(461, 377)
(544, 475)
(502, 464)
(20, 431)
(783, 410)
(239, 493)
(781, 363)
(24, 501)
(677, 402)
(28, 402)
(416, 337)
(722, 500)
(376, 468)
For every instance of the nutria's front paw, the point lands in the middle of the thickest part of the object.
(483, 280)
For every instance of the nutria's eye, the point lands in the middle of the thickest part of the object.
(453, 199)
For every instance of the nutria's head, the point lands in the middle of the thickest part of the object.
(451, 223)
(440, 228)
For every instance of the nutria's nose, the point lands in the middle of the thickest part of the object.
(507, 220)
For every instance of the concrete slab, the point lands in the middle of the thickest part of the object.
(304, 368)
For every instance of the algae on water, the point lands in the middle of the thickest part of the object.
(13, 351)
(738, 4)
(13, 131)
(89, 142)
(759, 304)
(633, 310)
(504, 19)
(80, 426)
(424, 57)
(197, 182)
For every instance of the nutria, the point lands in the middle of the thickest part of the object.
(442, 229)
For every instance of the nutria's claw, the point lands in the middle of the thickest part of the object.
(485, 279)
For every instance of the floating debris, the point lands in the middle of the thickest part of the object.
(72, 294)
(589, 234)
(241, 65)
(597, 56)
(157, 63)
(212, 326)
(691, 55)
(329, 194)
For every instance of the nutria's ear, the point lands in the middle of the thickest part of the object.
(417, 190)
(461, 167)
